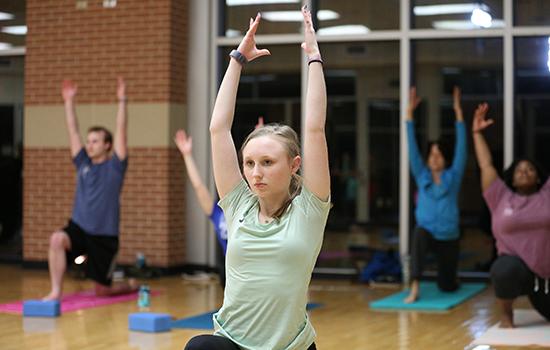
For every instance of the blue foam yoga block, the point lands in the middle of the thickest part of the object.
(149, 322)
(39, 308)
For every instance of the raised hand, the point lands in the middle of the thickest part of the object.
(457, 94)
(480, 123)
(68, 90)
(260, 123)
(247, 47)
(456, 98)
(184, 142)
(310, 46)
(414, 101)
(121, 89)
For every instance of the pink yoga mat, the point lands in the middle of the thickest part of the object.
(78, 301)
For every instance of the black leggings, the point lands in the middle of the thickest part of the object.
(215, 342)
(447, 258)
(512, 278)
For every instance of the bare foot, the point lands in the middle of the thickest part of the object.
(52, 296)
(413, 294)
(507, 313)
(507, 320)
(411, 298)
(506, 323)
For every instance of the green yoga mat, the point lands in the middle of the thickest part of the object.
(431, 298)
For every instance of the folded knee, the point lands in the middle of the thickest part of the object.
(506, 268)
(59, 240)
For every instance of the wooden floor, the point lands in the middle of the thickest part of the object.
(344, 321)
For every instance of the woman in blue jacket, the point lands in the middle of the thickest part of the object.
(437, 214)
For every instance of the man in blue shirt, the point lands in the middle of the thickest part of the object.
(94, 225)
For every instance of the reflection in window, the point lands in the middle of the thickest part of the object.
(355, 18)
(13, 30)
(363, 138)
(531, 12)
(278, 16)
(475, 65)
(532, 98)
(270, 87)
(453, 15)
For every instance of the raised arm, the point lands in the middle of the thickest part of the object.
(224, 156)
(416, 162)
(483, 154)
(68, 91)
(457, 94)
(315, 169)
(459, 159)
(121, 133)
(185, 146)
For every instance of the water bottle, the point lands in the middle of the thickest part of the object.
(140, 260)
(144, 297)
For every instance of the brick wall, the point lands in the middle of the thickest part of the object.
(145, 41)
(142, 40)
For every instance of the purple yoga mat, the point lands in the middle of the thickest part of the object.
(78, 301)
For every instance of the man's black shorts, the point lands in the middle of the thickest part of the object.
(101, 252)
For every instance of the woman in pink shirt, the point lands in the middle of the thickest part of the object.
(520, 208)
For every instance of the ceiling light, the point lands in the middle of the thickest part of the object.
(296, 16)
(434, 10)
(464, 24)
(344, 30)
(6, 16)
(15, 30)
(258, 2)
(481, 18)
(5, 46)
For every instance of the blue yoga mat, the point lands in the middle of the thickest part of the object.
(204, 321)
(431, 298)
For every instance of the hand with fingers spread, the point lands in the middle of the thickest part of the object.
(68, 90)
(480, 123)
(184, 142)
(310, 46)
(414, 101)
(247, 47)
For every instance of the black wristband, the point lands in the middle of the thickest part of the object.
(314, 58)
(239, 57)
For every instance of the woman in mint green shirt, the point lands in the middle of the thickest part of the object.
(275, 218)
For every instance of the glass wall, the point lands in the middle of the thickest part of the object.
(269, 88)
(12, 42)
(532, 98)
(456, 15)
(476, 66)
(370, 63)
(349, 19)
(363, 137)
(13, 27)
(531, 12)
(280, 17)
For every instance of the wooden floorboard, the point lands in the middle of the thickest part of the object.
(344, 321)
